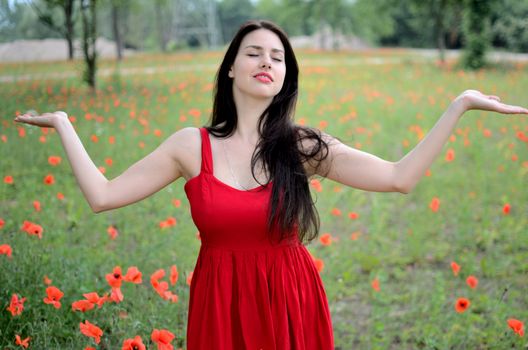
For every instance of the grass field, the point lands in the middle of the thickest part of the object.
(386, 256)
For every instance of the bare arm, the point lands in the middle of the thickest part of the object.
(142, 179)
(365, 171)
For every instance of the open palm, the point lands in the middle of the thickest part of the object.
(46, 120)
(474, 99)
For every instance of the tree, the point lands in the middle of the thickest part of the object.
(440, 11)
(510, 24)
(232, 14)
(89, 21)
(374, 19)
(163, 22)
(476, 29)
(119, 14)
(66, 29)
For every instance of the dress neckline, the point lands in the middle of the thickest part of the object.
(208, 168)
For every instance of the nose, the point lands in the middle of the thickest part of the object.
(266, 63)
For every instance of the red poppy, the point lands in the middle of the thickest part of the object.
(94, 298)
(450, 155)
(171, 221)
(319, 264)
(162, 288)
(116, 295)
(472, 281)
(36, 205)
(375, 285)
(506, 208)
(517, 326)
(353, 215)
(82, 305)
(326, 239)
(168, 295)
(5, 249)
(316, 185)
(91, 330)
(2, 222)
(49, 179)
(156, 276)
(115, 278)
(355, 235)
(16, 305)
(32, 228)
(47, 281)
(22, 342)
(163, 339)
(54, 295)
(8, 179)
(336, 212)
(109, 161)
(133, 344)
(54, 160)
(455, 267)
(173, 275)
(60, 196)
(176, 203)
(133, 275)
(461, 305)
(112, 232)
(435, 204)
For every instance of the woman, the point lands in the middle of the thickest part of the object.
(255, 285)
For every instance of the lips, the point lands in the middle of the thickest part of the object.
(264, 77)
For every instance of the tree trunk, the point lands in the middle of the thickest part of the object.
(160, 26)
(440, 30)
(69, 28)
(88, 12)
(117, 33)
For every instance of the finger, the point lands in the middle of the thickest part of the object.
(507, 109)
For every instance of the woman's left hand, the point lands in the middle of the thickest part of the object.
(473, 99)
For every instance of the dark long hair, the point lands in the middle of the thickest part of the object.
(279, 148)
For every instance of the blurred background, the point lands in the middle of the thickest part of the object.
(126, 26)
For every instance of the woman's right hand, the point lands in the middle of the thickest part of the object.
(45, 120)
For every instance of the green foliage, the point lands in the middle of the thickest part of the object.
(232, 13)
(373, 20)
(477, 30)
(511, 24)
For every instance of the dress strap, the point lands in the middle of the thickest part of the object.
(207, 156)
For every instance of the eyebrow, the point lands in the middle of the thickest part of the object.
(261, 48)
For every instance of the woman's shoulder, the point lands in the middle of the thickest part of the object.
(185, 146)
(186, 137)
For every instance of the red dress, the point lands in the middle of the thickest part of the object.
(246, 292)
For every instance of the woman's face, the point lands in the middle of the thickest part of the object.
(259, 67)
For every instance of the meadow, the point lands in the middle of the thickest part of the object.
(395, 267)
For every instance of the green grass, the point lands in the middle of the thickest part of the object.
(402, 242)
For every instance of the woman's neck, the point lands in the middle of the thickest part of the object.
(248, 113)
